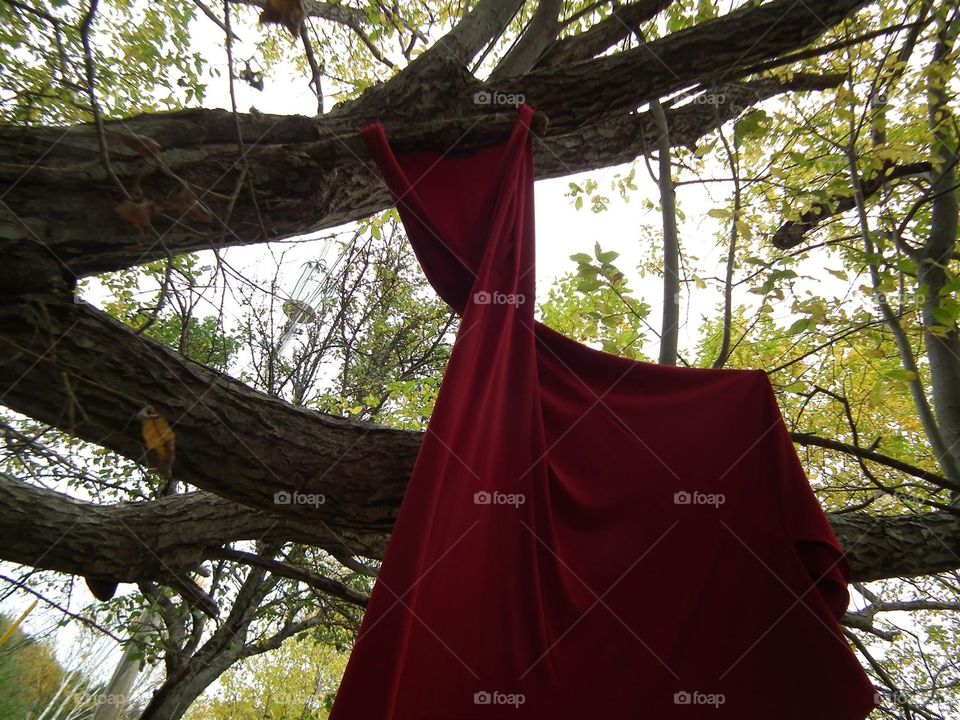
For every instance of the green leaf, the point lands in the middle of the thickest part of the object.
(754, 123)
(900, 375)
(702, 150)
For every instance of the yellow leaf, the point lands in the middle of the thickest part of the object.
(158, 438)
(16, 623)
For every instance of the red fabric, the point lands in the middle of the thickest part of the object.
(598, 596)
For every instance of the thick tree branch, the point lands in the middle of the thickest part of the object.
(133, 542)
(933, 276)
(231, 439)
(334, 12)
(141, 542)
(899, 546)
(362, 470)
(305, 184)
(483, 24)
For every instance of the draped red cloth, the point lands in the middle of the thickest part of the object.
(583, 535)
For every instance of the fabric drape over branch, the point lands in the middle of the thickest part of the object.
(584, 535)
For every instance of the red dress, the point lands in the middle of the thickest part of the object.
(586, 536)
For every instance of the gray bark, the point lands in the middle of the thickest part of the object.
(538, 36)
(670, 325)
(943, 351)
(304, 184)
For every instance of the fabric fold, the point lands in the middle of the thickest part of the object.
(585, 535)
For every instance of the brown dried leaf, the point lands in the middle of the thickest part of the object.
(137, 214)
(186, 204)
(288, 13)
(144, 146)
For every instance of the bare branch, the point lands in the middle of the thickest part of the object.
(315, 70)
(605, 34)
(866, 454)
(331, 587)
(793, 232)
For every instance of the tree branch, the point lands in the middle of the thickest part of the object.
(605, 34)
(540, 34)
(865, 454)
(323, 183)
(331, 587)
(133, 542)
(793, 232)
(231, 440)
(483, 24)
(334, 12)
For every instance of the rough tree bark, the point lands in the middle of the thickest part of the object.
(943, 348)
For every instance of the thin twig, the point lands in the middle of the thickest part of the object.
(57, 606)
(210, 14)
(314, 66)
(92, 94)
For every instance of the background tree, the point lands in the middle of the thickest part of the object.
(825, 128)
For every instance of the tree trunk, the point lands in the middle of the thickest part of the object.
(116, 695)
